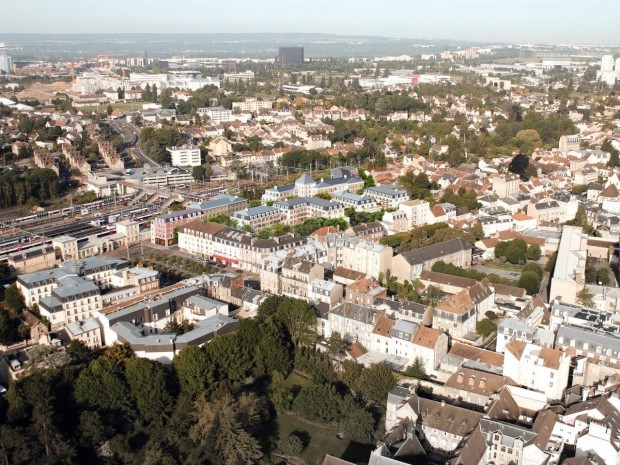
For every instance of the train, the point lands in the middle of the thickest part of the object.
(84, 209)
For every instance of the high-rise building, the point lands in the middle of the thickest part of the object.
(6, 65)
(290, 55)
(607, 63)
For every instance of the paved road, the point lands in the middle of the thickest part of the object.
(131, 135)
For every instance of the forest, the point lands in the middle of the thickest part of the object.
(31, 186)
(217, 404)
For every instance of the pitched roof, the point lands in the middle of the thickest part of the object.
(478, 382)
(426, 337)
(424, 254)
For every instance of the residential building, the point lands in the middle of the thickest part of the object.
(296, 276)
(258, 217)
(299, 209)
(342, 179)
(186, 155)
(86, 331)
(252, 105)
(457, 315)
(356, 201)
(409, 265)
(164, 227)
(474, 387)
(569, 272)
(387, 196)
(34, 259)
(217, 115)
(359, 255)
(505, 185)
(222, 204)
(538, 368)
(328, 292)
(417, 212)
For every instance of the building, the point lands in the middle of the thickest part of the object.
(196, 237)
(505, 185)
(387, 196)
(217, 115)
(6, 64)
(457, 315)
(417, 212)
(252, 105)
(569, 143)
(299, 209)
(538, 368)
(352, 253)
(35, 259)
(569, 272)
(409, 265)
(341, 180)
(184, 156)
(86, 331)
(258, 217)
(163, 227)
(221, 204)
(290, 55)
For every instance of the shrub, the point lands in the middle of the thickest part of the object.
(485, 327)
(530, 282)
(491, 315)
(291, 444)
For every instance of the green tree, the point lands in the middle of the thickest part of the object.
(320, 403)
(417, 369)
(147, 382)
(530, 282)
(376, 382)
(194, 370)
(337, 346)
(357, 423)
(14, 298)
(485, 327)
(585, 297)
(291, 444)
(198, 173)
(533, 252)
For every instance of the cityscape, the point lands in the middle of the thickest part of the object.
(337, 246)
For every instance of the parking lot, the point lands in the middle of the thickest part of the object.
(513, 275)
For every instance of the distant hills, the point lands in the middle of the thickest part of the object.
(256, 45)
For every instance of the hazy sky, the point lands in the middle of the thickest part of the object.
(550, 21)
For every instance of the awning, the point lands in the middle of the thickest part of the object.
(225, 259)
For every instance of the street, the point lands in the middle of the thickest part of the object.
(131, 135)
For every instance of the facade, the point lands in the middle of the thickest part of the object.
(34, 259)
(344, 251)
(258, 217)
(538, 368)
(217, 115)
(184, 156)
(222, 204)
(505, 185)
(341, 180)
(163, 226)
(457, 316)
(252, 105)
(297, 210)
(387, 196)
(409, 265)
(290, 55)
(417, 212)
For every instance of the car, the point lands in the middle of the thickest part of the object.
(2, 390)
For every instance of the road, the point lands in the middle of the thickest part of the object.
(131, 135)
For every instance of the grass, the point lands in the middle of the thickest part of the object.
(320, 440)
(504, 266)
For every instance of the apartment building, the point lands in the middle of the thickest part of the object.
(364, 292)
(342, 179)
(258, 217)
(354, 322)
(222, 204)
(74, 299)
(417, 212)
(110, 156)
(34, 259)
(252, 105)
(163, 227)
(387, 196)
(357, 254)
(356, 201)
(100, 270)
(328, 292)
(299, 209)
(217, 115)
(409, 265)
(186, 155)
(505, 185)
(457, 315)
(538, 368)
(296, 276)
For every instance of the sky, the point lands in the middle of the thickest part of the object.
(513, 21)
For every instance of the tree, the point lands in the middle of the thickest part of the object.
(198, 173)
(533, 252)
(14, 298)
(357, 423)
(194, 371)
(224, 428)
(282, 399)
(102, 385)
(291, 444)
(585, 297)
(298, 318)
(417, 369)
(147, 381)
(337, 346)
(320, 403)
(376, 382)
(485, 327)
(530, 282)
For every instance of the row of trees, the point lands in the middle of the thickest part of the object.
(32, 186)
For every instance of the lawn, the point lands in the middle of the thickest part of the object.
(320, 440)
